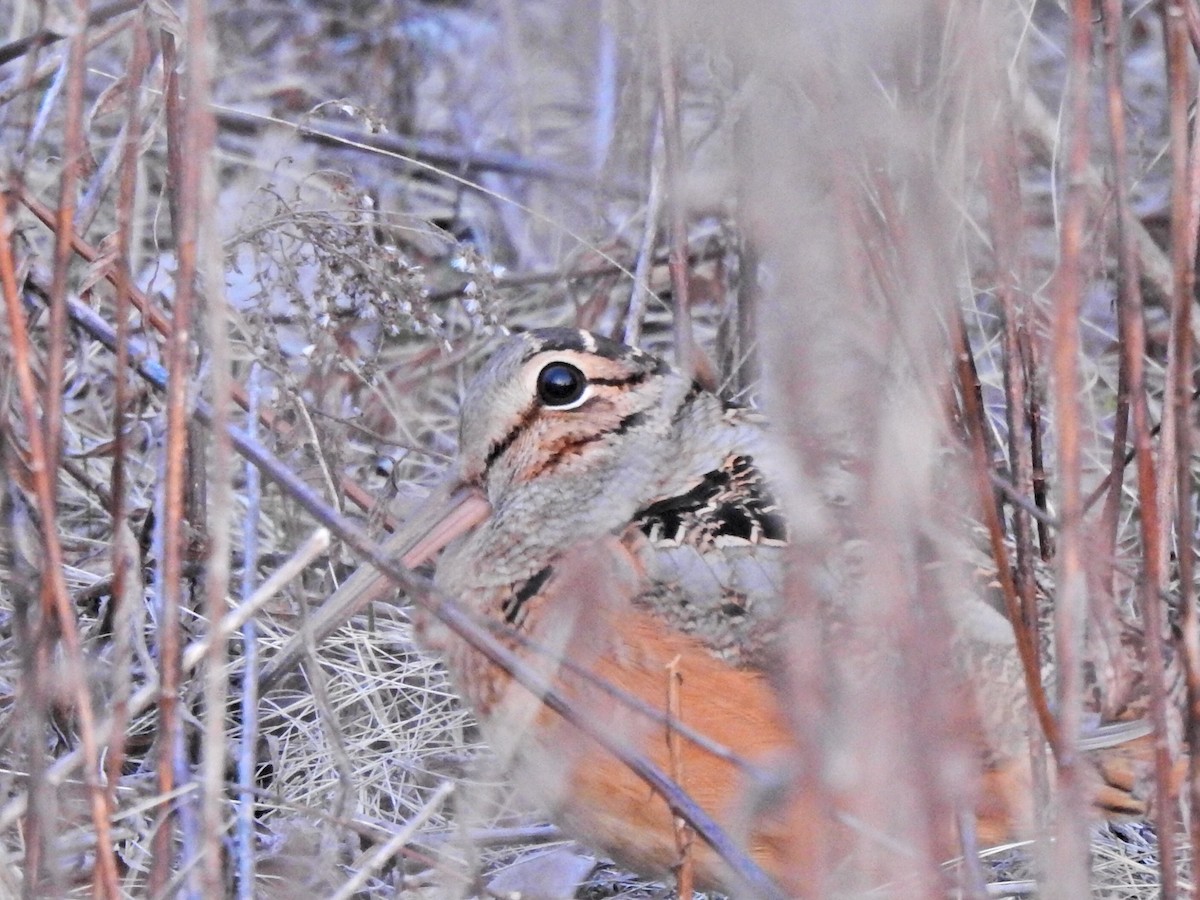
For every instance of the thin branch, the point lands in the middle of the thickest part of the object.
(1133, 347)
(248, 747)
(1180, 369)
(462, 161)
(639, 300)
(122, 563)
(1069, 877)
(1004, 213)
(1040, 130)
(183, 175)
(1026, 648)
(73, 148)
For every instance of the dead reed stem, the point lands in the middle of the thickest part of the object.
(188, 145)
(1180, 385)
(123, 279)
(1069, 854)
(1001, 182)
(67, 200)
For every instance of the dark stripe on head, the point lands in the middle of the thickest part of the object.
(572, 447)
(507, 441)
(551, 339)
(579, 341)
(629, 381)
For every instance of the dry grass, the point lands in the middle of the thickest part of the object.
(388, 186)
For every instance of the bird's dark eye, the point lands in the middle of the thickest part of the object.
(560, 384)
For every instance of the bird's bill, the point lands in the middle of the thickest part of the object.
(451, 511)
(464, 511)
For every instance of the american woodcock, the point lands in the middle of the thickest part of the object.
(614, 527)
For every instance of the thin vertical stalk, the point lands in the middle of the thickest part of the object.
(1127, 273)
(685, 349)
(1027, 650)
(198, 196)
(183, 186)
(639, 299)
(33, 707)
(1031, 361)
(1181, 367)
(126, 197)
(1133, 348)
(247, 749)
(1001, 182)
(607, 89)
(1069, 877)
(65, 227)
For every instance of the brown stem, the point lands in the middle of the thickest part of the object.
(183, 190)
(1004, 216)
(1180, 365)
(1069, 855)
(139, 62)
(68, 186)
(1026, 648)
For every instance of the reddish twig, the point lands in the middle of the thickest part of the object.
(1069, 868)
(1025, 636)
(199, 255)
(1133, 347)
(685, 876)
(139, 61)
(183, 189)
(1180, 367)
(65, 225)
(1001, 182)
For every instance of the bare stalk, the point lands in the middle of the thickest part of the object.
(1180, 368)
(1069, 875)
(127, 190)
(685, 345)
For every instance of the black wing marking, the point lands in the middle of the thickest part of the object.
(731, 505)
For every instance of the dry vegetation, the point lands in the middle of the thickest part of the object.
(323, 213)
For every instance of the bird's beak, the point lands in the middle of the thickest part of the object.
(463, 510)
(451, 510)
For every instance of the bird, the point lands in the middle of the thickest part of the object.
(639, 566)
(612, 522)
